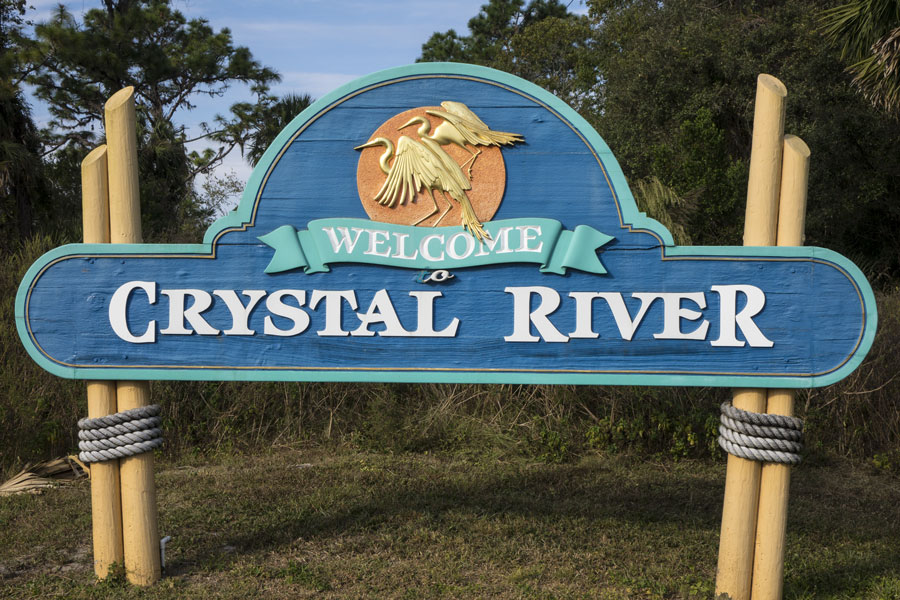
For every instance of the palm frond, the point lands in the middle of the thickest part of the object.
(662, 203)
(868, 34)
(47, 474)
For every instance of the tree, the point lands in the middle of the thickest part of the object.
(677, 104)
(274, 117)
(169, 61)
(868, 34)
(541, 41)
(673, 93)
(490, 31)
(22, 185)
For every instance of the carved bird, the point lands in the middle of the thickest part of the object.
(461, 126)
(422, 165)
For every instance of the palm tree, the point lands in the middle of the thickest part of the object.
(276, 118)
(868, 33)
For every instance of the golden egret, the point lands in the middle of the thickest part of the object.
(421, 165)
(461, 126)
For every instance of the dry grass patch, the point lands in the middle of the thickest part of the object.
(344, 524)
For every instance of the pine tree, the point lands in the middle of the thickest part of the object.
(170, 61)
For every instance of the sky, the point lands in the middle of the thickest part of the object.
(316, 45)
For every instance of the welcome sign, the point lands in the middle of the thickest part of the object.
(445, 223)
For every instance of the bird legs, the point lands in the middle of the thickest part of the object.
(470, 161)
(469, 220)
(436, 210)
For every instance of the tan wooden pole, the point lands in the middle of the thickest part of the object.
(739, 510)
(106, 505)
(95, 197)
(775, 479)
(139, 512)
(764, 182)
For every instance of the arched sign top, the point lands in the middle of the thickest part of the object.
(443, 222)
(520, 95)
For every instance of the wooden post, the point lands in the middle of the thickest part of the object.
(106, 505)
(775, 479)
(739, 510)
(139, 514)
(95, 197)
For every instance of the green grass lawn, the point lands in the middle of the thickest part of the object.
(343, 524)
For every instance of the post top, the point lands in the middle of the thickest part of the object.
(120, 98)
(770, 82)
(93, 156)
(797, 145)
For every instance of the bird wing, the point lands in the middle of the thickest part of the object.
(463, 112)
(450, 176)
(414, 168)
(473, 129)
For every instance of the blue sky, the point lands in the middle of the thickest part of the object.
(316, 45)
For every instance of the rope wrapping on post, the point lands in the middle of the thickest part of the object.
(119, 435)
(759, 436)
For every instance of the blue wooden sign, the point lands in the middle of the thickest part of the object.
(445, 223)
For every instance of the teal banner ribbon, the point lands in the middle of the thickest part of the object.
(526, 240)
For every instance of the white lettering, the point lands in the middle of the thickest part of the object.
(584, 315)
(380, 310)
(118, 312)
(401, 247)
(501, 238)
(240, 314)
(524, 317)
(297, 315)
(469, 249)
(333, 309)
(178, 314)
(529, 233)
(673, 313)
(627, 326)
(425, 324)
(375, 240)
(730, 319)
(423, 247)
(345, 238)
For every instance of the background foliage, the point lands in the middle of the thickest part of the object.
(670, 87)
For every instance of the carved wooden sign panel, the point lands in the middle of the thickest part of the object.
(445, 223)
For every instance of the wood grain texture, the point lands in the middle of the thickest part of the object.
(95, 197)
(106, 504)
(140, 530)
(764, 181)
(734, 573)
(775, 479)
(734, 570)
(561, 172)
(140, 534)
(476, 296)
(124, 188)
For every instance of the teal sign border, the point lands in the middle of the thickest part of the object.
(244, 215)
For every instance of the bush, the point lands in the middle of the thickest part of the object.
(857, 418)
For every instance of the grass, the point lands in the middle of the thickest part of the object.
(339, 523)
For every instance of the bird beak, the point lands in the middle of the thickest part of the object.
(411, 122)
(371, 144)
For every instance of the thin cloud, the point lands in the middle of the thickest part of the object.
(318, 29)
(312, 83)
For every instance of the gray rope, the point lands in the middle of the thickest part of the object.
(761, 437)
(119, 435)
(142, 412)
(121, 429)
